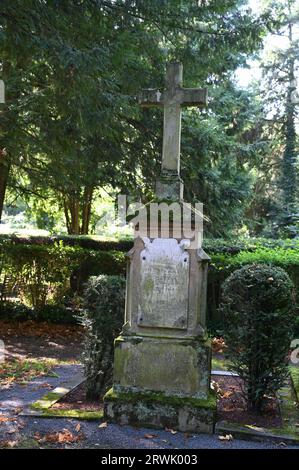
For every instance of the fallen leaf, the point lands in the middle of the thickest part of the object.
(103, 425)
(9, 444)
(227, 437)
(5, 419)
(171, 431)
(149, 436)
(78, 427)
(62, 437)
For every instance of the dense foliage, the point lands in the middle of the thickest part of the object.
(50, 272)
(104, 301)
(274, 209)
(257, 303)
(71, 123)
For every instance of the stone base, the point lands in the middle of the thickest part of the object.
(157, 410)
(176, 367)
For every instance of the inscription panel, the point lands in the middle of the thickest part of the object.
(164, 283)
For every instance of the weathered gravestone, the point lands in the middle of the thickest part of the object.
(162, 363)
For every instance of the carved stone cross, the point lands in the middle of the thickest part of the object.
(172, 99)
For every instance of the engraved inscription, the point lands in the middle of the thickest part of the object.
(164, 281)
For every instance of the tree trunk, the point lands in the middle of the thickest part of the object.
(288, 179)
(86, 209)
(72, 216)
(77, 215)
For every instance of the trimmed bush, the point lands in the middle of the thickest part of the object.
(89, 242)
(104, 300)
(258, 307)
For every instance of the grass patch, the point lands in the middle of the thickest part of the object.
(219, 364)
(22, 371)
(78, 414)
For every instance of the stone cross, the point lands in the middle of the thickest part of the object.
(172, 99)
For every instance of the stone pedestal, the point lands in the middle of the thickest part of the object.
(162, 362)
(169, 187)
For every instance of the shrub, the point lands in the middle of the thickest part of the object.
(257, 302)
(104, 300)
(47, 277)
(16, 311)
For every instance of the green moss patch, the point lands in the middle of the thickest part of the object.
(78, 414)
(42, 407)
(48, 400)
(150, 397)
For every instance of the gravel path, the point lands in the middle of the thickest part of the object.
(20, 431)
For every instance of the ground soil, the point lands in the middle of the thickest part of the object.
(41, 340)
(76, 399)
(231, 405)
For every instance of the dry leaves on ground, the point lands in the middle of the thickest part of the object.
(218, 345)
(39, 329)
(21, 371)
(6, 419)
(63, 437)
(216, 387)
(8, 444)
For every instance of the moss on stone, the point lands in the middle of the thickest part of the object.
(47, 400)
(79, 414)
(161, 397)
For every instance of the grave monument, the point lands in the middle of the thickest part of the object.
(162, 361)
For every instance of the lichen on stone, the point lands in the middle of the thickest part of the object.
(161, 397)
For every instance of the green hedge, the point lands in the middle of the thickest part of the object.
(49, 278)
(212, 246)
(51, 271)
(83, 241)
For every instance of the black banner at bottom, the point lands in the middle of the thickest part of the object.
(138, 458)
